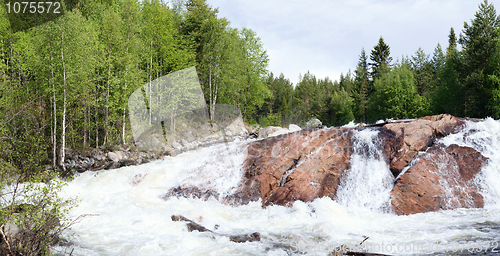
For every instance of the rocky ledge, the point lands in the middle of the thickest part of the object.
(308, 164)
(97, 159)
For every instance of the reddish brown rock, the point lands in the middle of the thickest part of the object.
(308, 164)
(302, 166)
(440, 179)
(409, 138)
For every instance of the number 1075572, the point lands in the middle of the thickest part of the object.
(473, 246)
(33, 7)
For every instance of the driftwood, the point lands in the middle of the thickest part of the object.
(191, 225)
(365, 254)
(344, 250)
(390, 121)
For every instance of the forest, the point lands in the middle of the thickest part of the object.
(65, 83)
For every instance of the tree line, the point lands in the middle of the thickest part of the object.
(462, 80)
(65, 83)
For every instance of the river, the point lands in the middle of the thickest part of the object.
(125, 214)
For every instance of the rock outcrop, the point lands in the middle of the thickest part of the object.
(442, 178)
(308, 164)
(405, 139)
(94, 159)
(302, 166)
(272, 131)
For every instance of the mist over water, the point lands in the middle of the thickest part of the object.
(128, 217)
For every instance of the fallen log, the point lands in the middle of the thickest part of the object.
(365, 254)
(344, 250)
(192, 226)
(390, 121)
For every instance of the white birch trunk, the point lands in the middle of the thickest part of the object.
(63, 128)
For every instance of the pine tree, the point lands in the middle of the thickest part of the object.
(422, 70)
(479, 48)
(452, 39)
(361, 89)
(380, 57)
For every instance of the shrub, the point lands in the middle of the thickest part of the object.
(32, 216)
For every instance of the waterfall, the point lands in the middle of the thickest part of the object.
(367, 184)
(124, 214)
(483, 136)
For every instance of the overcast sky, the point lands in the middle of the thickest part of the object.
(325, 37)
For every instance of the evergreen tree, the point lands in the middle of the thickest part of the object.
(396, 96)
(422, 72)
(381, 59)
(361, 89)
(438, 58)
(341, 106)
(452, 39)
(282, 98)
(449, 96)
(479, 49)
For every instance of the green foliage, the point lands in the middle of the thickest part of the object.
(452, 39)
(34, 209)
(448, 96)
(422, 71)
(362, 89)
(381, 59)
(272, 119)
(480, 50)
(342, 108)
(396, 96)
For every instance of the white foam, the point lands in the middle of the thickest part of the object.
(132, 219)
(368, 182)
(483, 136)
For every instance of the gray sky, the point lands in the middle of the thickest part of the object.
(325, 37)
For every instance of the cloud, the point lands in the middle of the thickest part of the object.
(326, 36)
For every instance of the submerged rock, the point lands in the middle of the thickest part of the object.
(442, 178)
(193, 226)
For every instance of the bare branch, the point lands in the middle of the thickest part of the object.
(20, 111)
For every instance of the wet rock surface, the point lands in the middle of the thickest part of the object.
(442, 178)
(405, 139)
(97, 159)
(302, 166)
(310, 163)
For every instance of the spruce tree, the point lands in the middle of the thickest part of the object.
(380, 57)
(479, 49)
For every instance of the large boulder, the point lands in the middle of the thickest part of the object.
(304, 165)
(272, 131)
(294, 128)
(236, 128)
(314, 123)
(266, 131)
(405, 139)
(442, 178)
(115, 156)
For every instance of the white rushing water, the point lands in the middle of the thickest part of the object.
(368, 183)
(128, 217)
